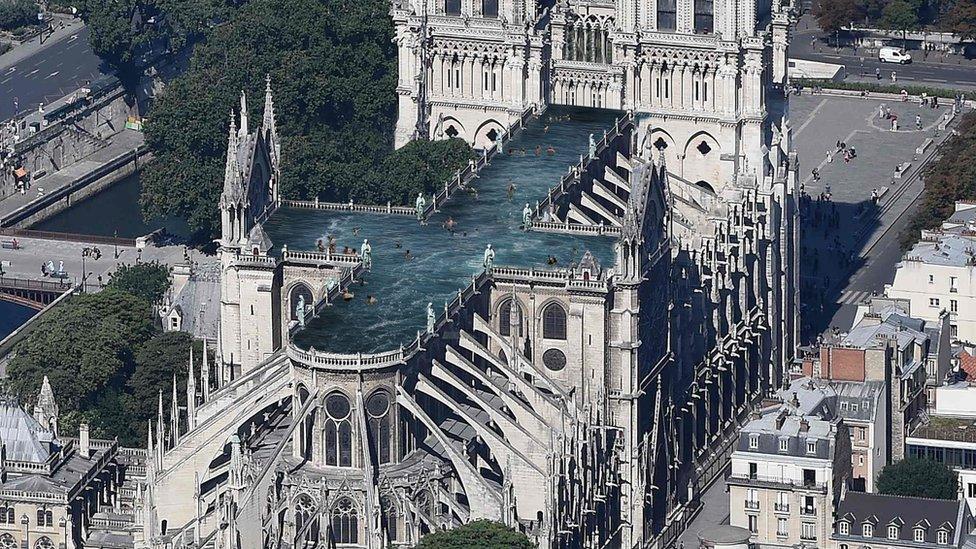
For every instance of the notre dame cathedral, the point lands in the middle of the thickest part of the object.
(586, 405)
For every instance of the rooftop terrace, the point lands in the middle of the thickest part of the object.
(440, 263)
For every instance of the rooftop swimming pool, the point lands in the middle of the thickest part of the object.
(441, 262)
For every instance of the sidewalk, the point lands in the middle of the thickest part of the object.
(23, 51)
(121, 144)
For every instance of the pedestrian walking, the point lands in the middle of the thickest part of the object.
(918, 122)
(877, 73)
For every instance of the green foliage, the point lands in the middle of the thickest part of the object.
(83, 346)
(961, 19)
(899, 15)
(947, 180)
(120, 29)
(333, 68)
(17, 13)
(148, 281)
(478, 534)
(872, 87)
(106, 364)
(920, 478)
(833, 14)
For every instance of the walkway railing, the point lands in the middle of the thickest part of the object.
(620, 125)
(365, 361)
(68, 237)
(464, 175)
(349, 207)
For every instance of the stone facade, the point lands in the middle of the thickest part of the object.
(585, 406)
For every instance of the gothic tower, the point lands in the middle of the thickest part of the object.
(249, 284)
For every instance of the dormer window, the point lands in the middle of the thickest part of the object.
(892, 532)
(784, 444)
(942, 537)
(811, 446)
(844, 528)
(753, 441)
(919, 534)
(867, 530)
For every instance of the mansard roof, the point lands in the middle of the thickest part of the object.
(912, 512)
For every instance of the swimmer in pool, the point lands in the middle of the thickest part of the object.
(370, 300)
(398, 244)
(450, 224)
(551, 260)
(407, 256)
(511, 189)
(550, 150)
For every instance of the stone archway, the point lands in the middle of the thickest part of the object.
(487, 133)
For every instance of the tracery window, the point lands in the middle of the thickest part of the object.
(345, 522)
(303, 513)
(45, 518)
(378, 416)
(390, 518)
(338, 431)
(7, 541)
(44, 543)
(554, 321)
(10, 516)
(505, 318)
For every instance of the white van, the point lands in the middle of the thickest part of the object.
(888, 54)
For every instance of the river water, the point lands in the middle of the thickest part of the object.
(12, 316)
(112, 212)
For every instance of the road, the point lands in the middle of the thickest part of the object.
(956, 72)
(43, 72)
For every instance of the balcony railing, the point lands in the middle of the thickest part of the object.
(808, 537)
(781, 507)
(808, 511)
(752, 504)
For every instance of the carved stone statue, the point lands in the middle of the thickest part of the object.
(300, 310)
(592, 146)
(526, 216)
(489, 257)
(366, 251)
(498, 142)
(421, 205)
(430, 317)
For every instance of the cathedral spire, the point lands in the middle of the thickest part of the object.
(205, 374)
(46, 409)
(231, 168)
(268, 122)
(242, 133)
(160, 430)
(174, 417)
(191, 395)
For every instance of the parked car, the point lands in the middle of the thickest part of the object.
(888, 54)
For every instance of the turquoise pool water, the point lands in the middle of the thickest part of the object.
(441, 262)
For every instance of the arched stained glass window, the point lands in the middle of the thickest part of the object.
(338, 431)
(379, 418)
(505, 318)
(345, 522)
(554, 321)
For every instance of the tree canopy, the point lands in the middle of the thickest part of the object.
(17, 13)
(106, 361)
(952, 177)
(919, 478)
(900, 15)
(478, 534)
(148, 281)
(332, 65)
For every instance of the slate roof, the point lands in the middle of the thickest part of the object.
(198, 301)
(895, 324)
(22, 435)
(882, 510)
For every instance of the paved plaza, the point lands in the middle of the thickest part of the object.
(838, 232)
(25, 263)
